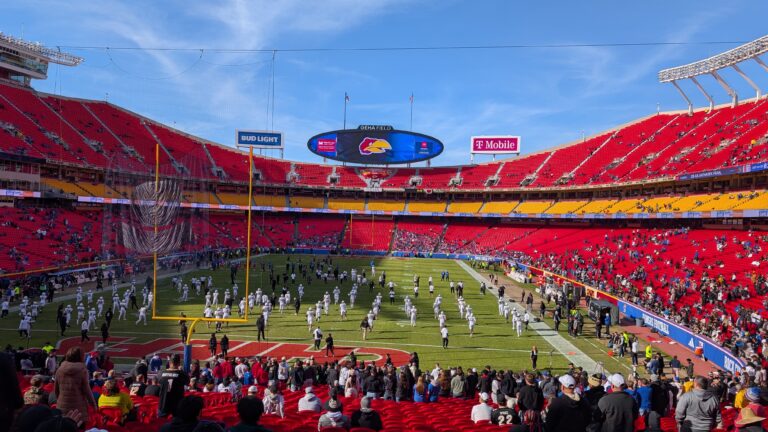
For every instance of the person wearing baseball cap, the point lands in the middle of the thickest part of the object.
(617, 411)
(482, 411)
(569, 412)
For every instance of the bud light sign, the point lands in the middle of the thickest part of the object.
(495, 144)
(259, 139)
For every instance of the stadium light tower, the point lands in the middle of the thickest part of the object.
(711, 66)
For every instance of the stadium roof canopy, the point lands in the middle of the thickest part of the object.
(710, 66)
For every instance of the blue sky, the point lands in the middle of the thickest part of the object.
(549, 96)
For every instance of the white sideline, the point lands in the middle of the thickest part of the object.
(570, 351)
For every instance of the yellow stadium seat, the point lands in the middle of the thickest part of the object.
(63, 186)
(500, 207)
(596, 206)
(753, 201)
(346, 204)
(307, 202)
(385, 205)
(464, 207)
(233, 198)
(269, 200)
(564, 207)
(623, 206)
(422, 206)
(533, 207)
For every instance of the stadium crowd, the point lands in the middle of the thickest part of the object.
(157, 393)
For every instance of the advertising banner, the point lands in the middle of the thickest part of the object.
(502, 144)
(711, 350)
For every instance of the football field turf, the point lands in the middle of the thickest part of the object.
(493, 343)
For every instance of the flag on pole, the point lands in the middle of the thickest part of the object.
(411, 98)
(346, 97)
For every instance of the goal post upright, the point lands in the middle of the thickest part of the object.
(195, 320)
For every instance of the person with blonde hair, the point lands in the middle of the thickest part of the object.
(112, 397)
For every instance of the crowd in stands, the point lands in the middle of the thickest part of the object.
(263, 393)
(680, 275)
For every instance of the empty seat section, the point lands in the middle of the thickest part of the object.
(501, 207)
(233, 198)
(385, 205)
(426, 206)
(346, 204)
(306, 202)
(47, 120)
(532, 207)
(464, 206)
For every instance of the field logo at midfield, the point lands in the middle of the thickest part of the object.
(369, 146)
(120, 347)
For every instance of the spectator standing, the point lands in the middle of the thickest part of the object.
(698, 410)
(273, 401)
(530, 396)
(617, 410)
(172, 383)
(569, 412)
(72, 389)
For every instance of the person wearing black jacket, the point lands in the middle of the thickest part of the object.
(659, 404)
(530, 396)
(617, 410)
(365, 417)
(593, 395)
(471, 383)
(485, 383)
(508, 385)
(569, 412)
(297, 376)
(10, 398)
(372, 385)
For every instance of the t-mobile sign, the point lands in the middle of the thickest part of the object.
(495, 144)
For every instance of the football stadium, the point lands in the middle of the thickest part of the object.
(377, 276)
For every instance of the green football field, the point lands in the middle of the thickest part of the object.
(493, 343)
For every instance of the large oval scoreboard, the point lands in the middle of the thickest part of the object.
(375, 145)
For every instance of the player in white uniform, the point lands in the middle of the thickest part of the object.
(208, 313)
(185, 293)
(343, 310)
(142, 315)
(89, 296)
(215, 299)
(80, 312)
(413, 317)
(5, 308)
(123, 310)
(441, 319)
(92, 318)
(336, 295)
(471, 322)
(281, 303)
(310, 317)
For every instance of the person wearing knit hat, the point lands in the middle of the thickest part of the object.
(333, 417)
(748, 421)
(753, 397)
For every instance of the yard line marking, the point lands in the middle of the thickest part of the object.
(552, 337)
